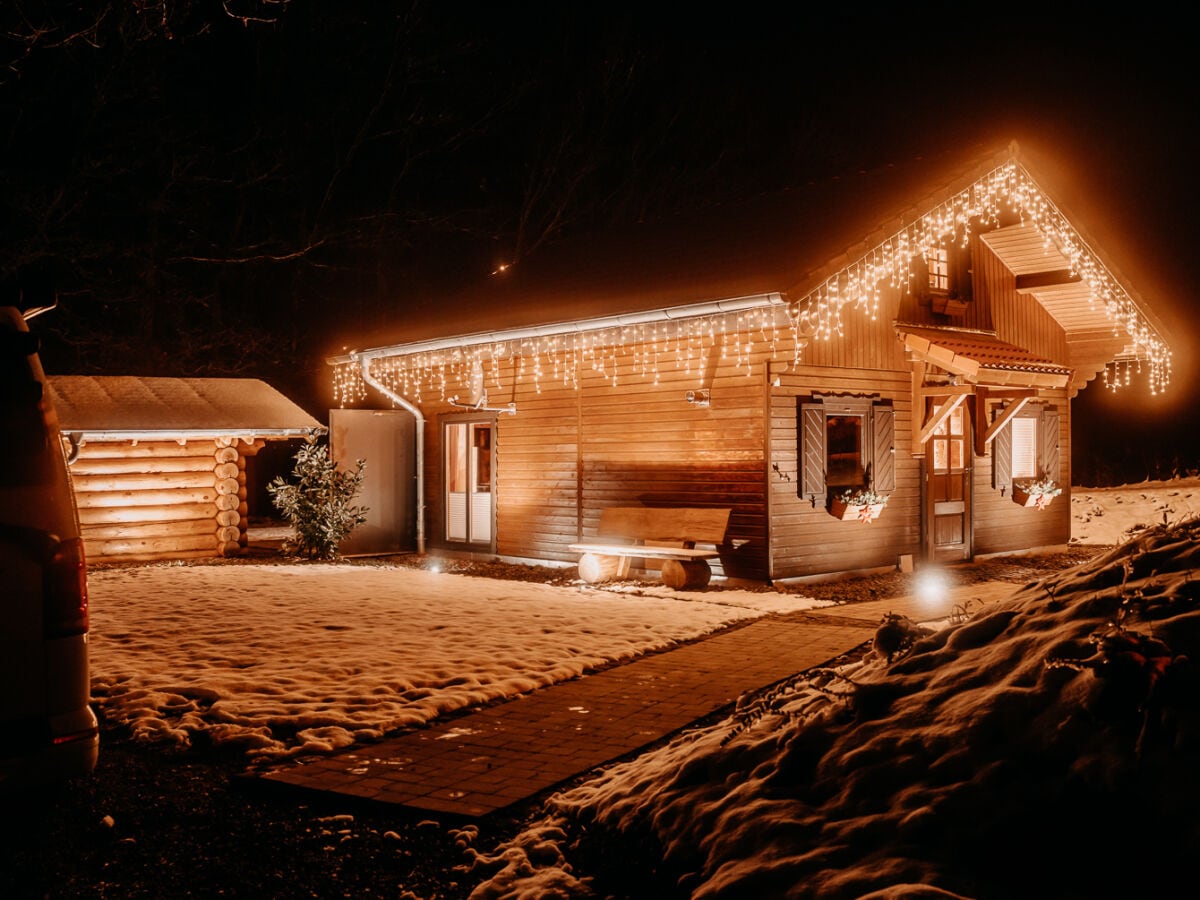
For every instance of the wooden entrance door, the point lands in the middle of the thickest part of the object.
(948, 488)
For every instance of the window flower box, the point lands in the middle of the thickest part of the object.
(857, 506)
(1036, 494)
(949, 305)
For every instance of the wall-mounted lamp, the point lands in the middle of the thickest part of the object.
(697, 398)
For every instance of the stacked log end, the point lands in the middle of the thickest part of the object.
(154, 500)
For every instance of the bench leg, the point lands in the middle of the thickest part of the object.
(692, 575)
(595, 568)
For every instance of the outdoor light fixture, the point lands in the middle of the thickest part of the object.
(697, 398)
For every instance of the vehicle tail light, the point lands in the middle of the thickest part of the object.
(65, 591)
(85, 735)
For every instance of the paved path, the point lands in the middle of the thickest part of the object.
(483, 761)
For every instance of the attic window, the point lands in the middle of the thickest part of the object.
(937, 262)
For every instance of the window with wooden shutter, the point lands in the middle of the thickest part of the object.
(845, 443)
(1027, 448)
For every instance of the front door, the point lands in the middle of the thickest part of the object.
(948, 488)
(467, 463)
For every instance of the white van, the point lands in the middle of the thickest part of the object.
(48, 731)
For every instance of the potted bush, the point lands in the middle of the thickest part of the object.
(858, 504)
(1035, 492)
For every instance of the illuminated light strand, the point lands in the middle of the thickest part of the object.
(816, 316)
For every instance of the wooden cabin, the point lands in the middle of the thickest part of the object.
(159, 464)
(917, 332)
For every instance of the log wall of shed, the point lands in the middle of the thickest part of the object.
(154, 500)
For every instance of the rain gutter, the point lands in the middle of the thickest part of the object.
(195, 434)
(364, 367)
(576, 326)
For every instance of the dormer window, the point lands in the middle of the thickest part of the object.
(937, 263)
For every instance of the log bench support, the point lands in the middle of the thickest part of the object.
(669, 535)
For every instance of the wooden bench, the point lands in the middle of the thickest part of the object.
(644, 532)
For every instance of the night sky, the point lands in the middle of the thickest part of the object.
(207, 195)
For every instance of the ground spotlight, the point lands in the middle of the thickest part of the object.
(932, 586)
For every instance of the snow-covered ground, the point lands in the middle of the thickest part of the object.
(1108, 516)
(1048, 747)
(289, 659)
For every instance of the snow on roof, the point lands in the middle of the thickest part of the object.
(134, 406)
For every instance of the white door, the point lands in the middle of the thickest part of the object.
(468, 467)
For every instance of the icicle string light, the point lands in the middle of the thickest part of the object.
(738, 336)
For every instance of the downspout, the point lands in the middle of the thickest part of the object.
(364, 365)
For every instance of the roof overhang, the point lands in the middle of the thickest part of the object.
(981, 359)
(199, 435)
(137, 408)
(557, 329)
(1043, 274)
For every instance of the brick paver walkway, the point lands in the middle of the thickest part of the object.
(481, 762)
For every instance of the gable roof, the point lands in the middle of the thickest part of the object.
(804, 255)
(133, 408)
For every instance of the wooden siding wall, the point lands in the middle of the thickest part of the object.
(1003, 527)
(568, 453)
(537, 473)
(645, 444)
(805, 539)
(156, 500)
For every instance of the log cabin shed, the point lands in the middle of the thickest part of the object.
(917, 331)
(159, 464)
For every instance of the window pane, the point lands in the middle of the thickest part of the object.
(937, 261)
(482, 441)
(456, 458)
(1024, 447)
(940, 455)
(843, 443)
